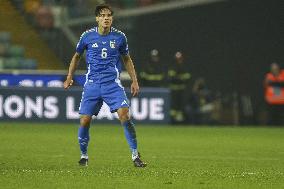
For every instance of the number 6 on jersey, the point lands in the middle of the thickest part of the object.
(104, 53)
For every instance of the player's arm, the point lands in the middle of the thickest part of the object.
(129, 66)
(72, 68)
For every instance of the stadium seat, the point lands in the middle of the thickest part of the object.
(3, 50)
(11, 63)
(1, 63)
(5, 37)
(28, 64)
(16, 51)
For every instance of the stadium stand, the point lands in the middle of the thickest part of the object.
(52, 21)
(24, 49)
(12, 56)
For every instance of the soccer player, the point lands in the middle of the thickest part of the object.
(105, 46)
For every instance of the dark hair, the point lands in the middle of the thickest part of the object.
(100, 7)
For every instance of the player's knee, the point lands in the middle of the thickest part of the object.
(85, 121)
(124, 117)
(123, 114)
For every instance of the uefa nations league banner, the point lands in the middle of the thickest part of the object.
(152, 105)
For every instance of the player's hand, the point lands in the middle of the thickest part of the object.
(134, 88)
(68, 83)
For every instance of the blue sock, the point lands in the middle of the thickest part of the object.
(130, 135)
(83, 137)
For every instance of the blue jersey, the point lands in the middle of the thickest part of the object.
(103, 54)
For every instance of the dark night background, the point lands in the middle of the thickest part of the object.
(230, 44)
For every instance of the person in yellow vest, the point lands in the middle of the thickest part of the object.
(274, 94)
(153, 74)
(178, 77)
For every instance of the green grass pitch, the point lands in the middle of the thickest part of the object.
(45, 156)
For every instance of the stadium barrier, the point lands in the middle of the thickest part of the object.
(49, 104)
(44, 78)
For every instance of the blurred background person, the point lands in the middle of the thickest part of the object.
(44, 18)
(178, 76)
(201, 103)
(153, 73)
(274, 94)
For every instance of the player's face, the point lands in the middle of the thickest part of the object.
(105, 18)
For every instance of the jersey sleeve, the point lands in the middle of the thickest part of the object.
(123, 49)
(81, 44)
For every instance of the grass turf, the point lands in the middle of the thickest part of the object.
(46, 155)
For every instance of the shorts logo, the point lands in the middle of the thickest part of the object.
(124, 102)
(95, 45)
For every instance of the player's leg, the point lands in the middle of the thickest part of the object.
(91, 103)
(130, 134)
(129, 130)
(83, 138)
(114, 96)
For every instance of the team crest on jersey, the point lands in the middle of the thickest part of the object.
(112, 44)
(95, 45)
